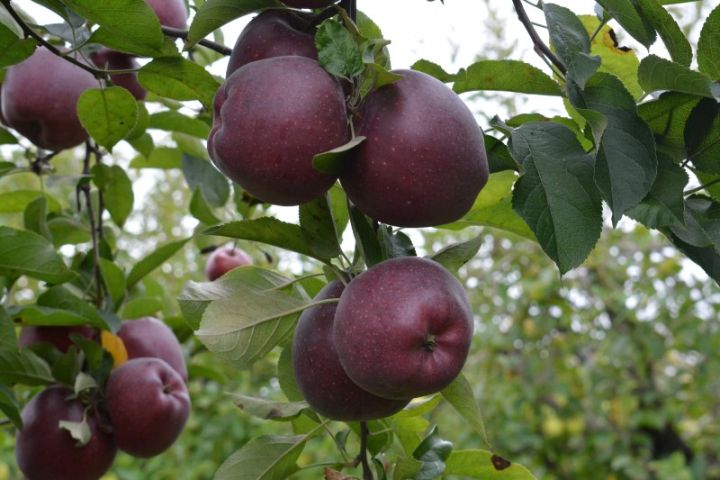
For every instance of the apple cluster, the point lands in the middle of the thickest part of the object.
(422, 162)
(141, 410)
(42, 107)
(402, 329)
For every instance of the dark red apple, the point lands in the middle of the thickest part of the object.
(222, 260)
(308, 3)
(423, 162)
(171, 13)
(114, 60)
(271, 118)
(45, 451)
(273, 33)
(148, 405)
(403, 328)
(149, 337)
(59, 337)
(39, 98)
(318, 372)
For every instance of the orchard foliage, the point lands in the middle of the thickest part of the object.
(641, 130)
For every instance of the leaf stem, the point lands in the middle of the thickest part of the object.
(701, 187)
(85, 188)
(540, 46)
(364, 432)
(178, 33)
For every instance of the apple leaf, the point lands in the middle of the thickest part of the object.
(433, 451)
(665, 204)
(455, 256)
(63, 299)
(567, 220)
(701, 227)
(434, 70)
(626, 161)
(268, 409)
(141, 307)
(318, 228)
(79, 431)
(8, 338)
(13, 49)
(672, 36)
(9, 406)
(154, 260)
(164, 158)
(394, 244)
(35, 217)
(629, 18)
(460, 395)
(108, 114)
(117, 191)
(174, 121)
(131, 21)
(200, 209)
(485, 465)
(367, 241)
(505, 76)
(27, 253)
(333, 161)
(286, 376)
(179, 79)
(702, 136)
(498, 155)
(657, 74)
(213, 14)
(709, 45)
(264, 458)
(23, 367)
(706, 257)
(571, 42)
(114, 279)
(202, 174)
(667, 117)
(337, 51)
(17, 201)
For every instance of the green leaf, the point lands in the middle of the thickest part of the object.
(79, 431)
(665, 204)
(667, 117)
(117, 191)
(460, 395)
(267, 230)
(27, 253)
(141, 307)
(114, 279)
(367, 241)
(9, 406)
(557, 196)
(626, 161)
(17, 201)
(174, 121)
(454, 256)
(657, 74)
(479, 464)
(433, 451)
(702, 136)
(702, 223)
(498, 155)
(318, 228)
(200, 209)
(337, 51)
(268, 409)
(179, 79)
(620, 61)
(394, 244)
(571, 42)
(68, 231)
(133, 21)
(14, 50)
(434, 70)
(154, 260)
(23, 367)
(493, 208)
(669, 31)
(286, 376)
(709, 45)
(506, 76)
(202, 174)
(264, 458)
(333, 161)
(162, 157)
(706, 257)
(8, 338)
(35, 217)
(63, 300)
(629, 18)
(213, 14)
(108, 114)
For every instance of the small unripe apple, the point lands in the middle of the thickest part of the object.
(149, 337)
(113, 60)
(45, 451)
(308, 3)
(271, 118)
(403, 328)
(222, 260)
(423, 162)
(148, 405)
(171, 13)
(39, 98)
(318, 372)
(273, 33)
(59, 337)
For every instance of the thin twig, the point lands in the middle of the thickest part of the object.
(540, 46)
(701, 187)
(85, 187)
(178, 33)
(364, 432)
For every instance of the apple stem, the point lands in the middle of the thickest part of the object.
(364, 432)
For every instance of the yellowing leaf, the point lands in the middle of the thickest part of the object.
(115, 346)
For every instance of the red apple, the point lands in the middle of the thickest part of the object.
(114, 60)
(148, 405)
(59, 337)
(222, 260)
(149, 337)
(171, 13)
